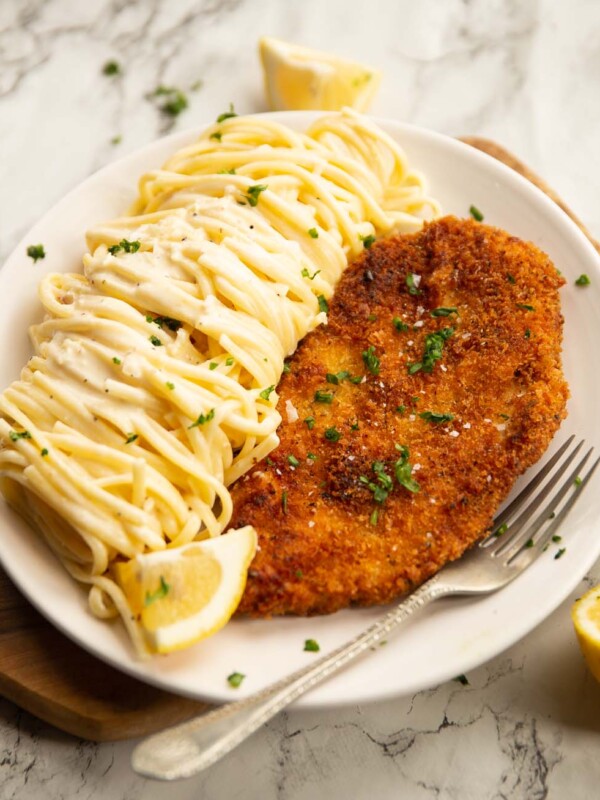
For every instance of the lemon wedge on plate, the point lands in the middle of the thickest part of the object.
(586, 618)
(182, 595)
(298, 78)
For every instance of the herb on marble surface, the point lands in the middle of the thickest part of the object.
(175, 101)
(111, 68)
(583, 280)
(235, 679)
(560, 553)
(311, 646)
(36, 251)
(462, 679)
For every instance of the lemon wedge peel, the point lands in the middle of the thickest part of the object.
(183, 595)
(300, 78)
(585, 614)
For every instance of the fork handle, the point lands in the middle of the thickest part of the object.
(190, 747)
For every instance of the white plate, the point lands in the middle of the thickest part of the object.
(453, 635)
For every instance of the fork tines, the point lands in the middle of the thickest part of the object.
(526, 525)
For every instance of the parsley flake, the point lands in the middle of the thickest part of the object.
(403, 470)
(131, 437)
(367, 241)
(266, 393)
(310, 423)
(293, 461)
(332, 434)
(226, 114)
(126, 246)
(217, 135)
(323, 397)
(235, 679)
(116, 360)
(170, 385)
(314, 234)
(444, 311)
(175, 100)
(44, 452)
(476, 214)
(400, 326)
(311, 646)
(111, 68)
(583, 280)
(431, 416)
(411, 284)
(284, 502)
(16, 435)
(155, 341)
(560, 553)
(323, 304)
(36, 252)
(525, 307)
(203, 419)
(229, 362)
(306, 274)
(159, 594)
(254, 192)
(433, 351)
(462, 679)
(372, 362)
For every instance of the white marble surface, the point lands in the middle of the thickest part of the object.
(526, 73)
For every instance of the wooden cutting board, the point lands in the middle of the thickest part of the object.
(49, 676)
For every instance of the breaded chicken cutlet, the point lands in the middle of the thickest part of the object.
(436, 382)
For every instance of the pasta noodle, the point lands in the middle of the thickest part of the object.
(152, 384)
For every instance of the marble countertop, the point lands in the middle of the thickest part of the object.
(527, 724)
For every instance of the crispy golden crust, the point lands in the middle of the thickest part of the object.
(500, 377)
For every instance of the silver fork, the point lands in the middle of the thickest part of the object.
(519, 535)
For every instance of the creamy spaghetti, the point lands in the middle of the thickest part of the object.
(152, 384)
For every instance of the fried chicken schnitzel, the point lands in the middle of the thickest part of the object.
(436, 382)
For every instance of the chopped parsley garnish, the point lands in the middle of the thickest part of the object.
(116, 360)
(444, 311)
(501, 530)
(310, 423)
(583, 280)
(527, 333)
(266, 393)
(311, 646)
(525, 307)
(299, 573)
(111, 68)
(116, 139)
(159, 594)
(235, 679)
(431, 416)
(433, 351)
(16, 435)
(367, 240)
(578, 481)
(213, 365)
(476, 214)
(175, 100)
(131, 437)
(556, 539)
(529, 543)
(286, 368)
(293, 461)
(374, 516)
(217, 135)
(354, 426)
(510, 278)
(372, 363)
(227, 172)
(254, 192)
(401, 409)
(384, 484)
(403, 470)
(170, 385)
(203, 419)
(560, 553)
(155, 341)
(337, 377)
(400, 326)
(372, 318)
(44, 452)
(312, 456)
(284, 502)
(313, 233)
(165, 322)
(323, 304)
(412, 286)
(126, 246)
(323, 397)
(226, 114)
(332, 434)
(462, 679)
(306, 274)
(36, 251)
(229, 362)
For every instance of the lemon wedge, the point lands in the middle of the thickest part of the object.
(586, 618)
(300, 78)
(183, 595)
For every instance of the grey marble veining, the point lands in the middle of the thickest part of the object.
(527, 725)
